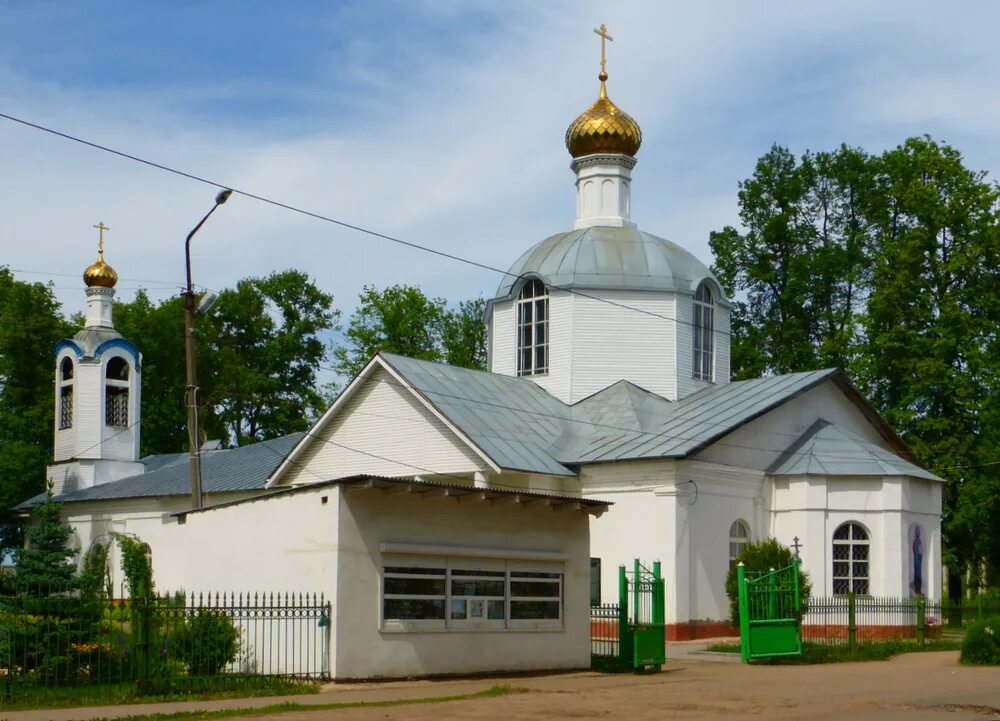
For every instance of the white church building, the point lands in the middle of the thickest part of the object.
(606, 429)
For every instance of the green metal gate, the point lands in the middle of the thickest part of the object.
(770, 612)
(632, 633)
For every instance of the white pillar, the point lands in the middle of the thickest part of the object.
(99, 303)
(603, 185)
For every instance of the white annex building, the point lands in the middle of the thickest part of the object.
(606, 429)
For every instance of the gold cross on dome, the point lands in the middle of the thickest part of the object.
(101, 227)
(603, 32)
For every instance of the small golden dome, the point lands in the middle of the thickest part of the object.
(603, 128)
(100, 274)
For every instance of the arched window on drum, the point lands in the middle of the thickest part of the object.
(533, 329)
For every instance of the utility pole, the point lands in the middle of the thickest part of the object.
(190, 354)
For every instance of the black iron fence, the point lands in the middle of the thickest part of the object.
(852, 619)
(164, 644)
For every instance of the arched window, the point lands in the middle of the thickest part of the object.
(851, 547)
(116, 393)
(533, 329)
(703, 326)
(66, 393)
(739, 537)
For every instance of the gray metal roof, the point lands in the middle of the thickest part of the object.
(513, 421)
(519, 426)
(237, 469)
(88, 339)
(607, 258)
(826, 450)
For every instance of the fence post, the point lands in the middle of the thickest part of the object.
(921, 619)
(741, 593)
(852, 629)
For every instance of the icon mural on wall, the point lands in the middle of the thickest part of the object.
(916, 555)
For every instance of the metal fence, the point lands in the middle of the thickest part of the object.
(605, 630)
(852, 619)
(163, 644)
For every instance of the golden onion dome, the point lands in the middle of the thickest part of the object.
(603, 128)
(100, 274)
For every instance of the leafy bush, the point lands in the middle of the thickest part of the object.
(206, 643)
(760, 557)
(982, 643)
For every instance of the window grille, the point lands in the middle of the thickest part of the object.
(66, 407)
(851, 567)
(469, 594)
(533, 329)
(703, 327)
(739, 537)
(116, 407)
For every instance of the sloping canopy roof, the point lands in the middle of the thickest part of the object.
(608, 258)
(237, 469)
(826, 450)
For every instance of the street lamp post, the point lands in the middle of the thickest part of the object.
(190, 351)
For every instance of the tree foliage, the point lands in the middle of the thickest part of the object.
(888, 266)
(30, 327)
(759, 557)
(402, 319)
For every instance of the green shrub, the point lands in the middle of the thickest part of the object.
(982, 643)
(206, 643)
(760, 557)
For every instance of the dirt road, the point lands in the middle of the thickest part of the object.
(913, 687)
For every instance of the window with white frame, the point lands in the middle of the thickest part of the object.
(739, 537)
(116, 393)
(469, 593)
(703, 328)
(533, 329)
(851, 559)
(66, 393)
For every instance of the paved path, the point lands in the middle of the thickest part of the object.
(914, 687)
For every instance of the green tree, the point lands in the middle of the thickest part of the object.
(30, 327)
(463, 334)
(796, 274)
(260, 348)
(399, 319)
(932, 355)
(757, 558)
(158, 331)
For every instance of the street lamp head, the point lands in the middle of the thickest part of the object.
(223, 196)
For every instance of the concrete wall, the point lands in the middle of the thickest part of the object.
(369, 518)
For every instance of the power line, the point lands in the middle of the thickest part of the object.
(328, 219)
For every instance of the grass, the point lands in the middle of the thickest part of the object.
(39, 697)
(288, 706)
(827, 653)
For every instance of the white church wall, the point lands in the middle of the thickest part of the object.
(713, 498)
(813, 507)
(760, 442)
(502, 338)
(622, 335)
(370, 518)
(722, 344)
(88, 413)
(383, 429)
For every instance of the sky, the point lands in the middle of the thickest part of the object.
(438, 122)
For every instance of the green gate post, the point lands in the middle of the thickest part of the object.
(636, 575)
(852, 637)
(741, 588)
(659, 591)
(921, 619)
(624, 647)
(798, 601)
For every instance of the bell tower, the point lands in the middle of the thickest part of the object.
(97, 392)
